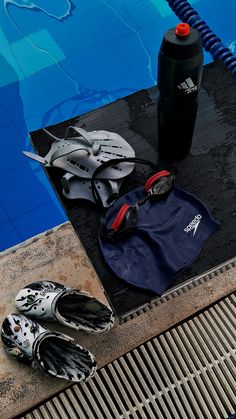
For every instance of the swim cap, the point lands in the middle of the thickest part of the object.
(168, 236)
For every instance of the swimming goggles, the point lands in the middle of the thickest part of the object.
(156, 187)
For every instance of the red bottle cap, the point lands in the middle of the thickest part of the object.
(182, 30)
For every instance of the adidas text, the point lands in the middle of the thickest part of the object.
(187, 86)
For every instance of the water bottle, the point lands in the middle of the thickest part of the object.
(179, 78)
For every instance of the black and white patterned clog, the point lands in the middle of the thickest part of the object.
(50, 301)
(53, 353)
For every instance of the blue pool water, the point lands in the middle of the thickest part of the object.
(61, 58)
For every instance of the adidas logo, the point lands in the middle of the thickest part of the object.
(194, 224)
(187, 86)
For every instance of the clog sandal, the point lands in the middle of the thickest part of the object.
(50, 301)
(53, 353)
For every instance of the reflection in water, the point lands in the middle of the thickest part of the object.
(10, 99)
(88, 100)
(61, 9)
(232, 46)
(132, 29)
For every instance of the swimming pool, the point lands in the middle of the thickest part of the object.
(60, 59)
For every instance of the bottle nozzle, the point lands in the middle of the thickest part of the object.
(182, 30)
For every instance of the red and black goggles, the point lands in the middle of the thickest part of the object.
(157, 186)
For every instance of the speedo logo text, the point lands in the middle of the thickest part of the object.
(194, 224)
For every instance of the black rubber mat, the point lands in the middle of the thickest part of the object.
(209, 172)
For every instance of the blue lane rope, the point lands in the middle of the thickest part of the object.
(187, 14)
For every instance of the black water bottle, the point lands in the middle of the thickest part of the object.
(179, 78)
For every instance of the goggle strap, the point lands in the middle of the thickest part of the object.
(120, 217)
(109, 163)
(149, 183)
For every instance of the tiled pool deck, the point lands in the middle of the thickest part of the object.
(58, 255)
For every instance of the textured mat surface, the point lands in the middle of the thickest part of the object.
(209, 172)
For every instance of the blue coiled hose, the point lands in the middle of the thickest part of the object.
(210, 41)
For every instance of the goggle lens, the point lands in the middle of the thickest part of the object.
(158, 185)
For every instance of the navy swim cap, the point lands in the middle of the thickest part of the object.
(168, 236)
